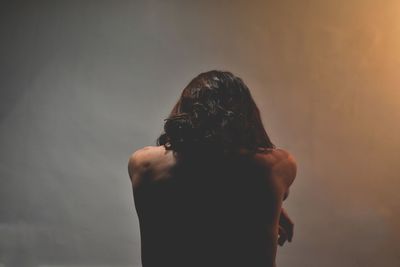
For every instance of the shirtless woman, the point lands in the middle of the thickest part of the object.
(211, 192)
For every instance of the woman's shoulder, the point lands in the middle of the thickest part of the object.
(274, 155)
(280, 162)
(149, 161)
(148, 153)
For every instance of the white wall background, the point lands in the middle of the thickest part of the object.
(85, 83)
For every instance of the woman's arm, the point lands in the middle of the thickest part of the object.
(286, 228)
(285, 169)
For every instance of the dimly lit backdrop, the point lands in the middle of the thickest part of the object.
(83, 84)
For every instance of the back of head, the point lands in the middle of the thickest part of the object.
(215, 113)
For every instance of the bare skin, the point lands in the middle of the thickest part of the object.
(210, 210)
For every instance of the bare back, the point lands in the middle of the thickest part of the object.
(208, 210)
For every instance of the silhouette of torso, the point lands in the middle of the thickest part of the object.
(207, 210)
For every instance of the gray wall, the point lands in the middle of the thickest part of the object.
(85, 83)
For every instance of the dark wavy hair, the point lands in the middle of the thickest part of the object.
(215, 112)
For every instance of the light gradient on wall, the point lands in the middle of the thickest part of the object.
(85, 83)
